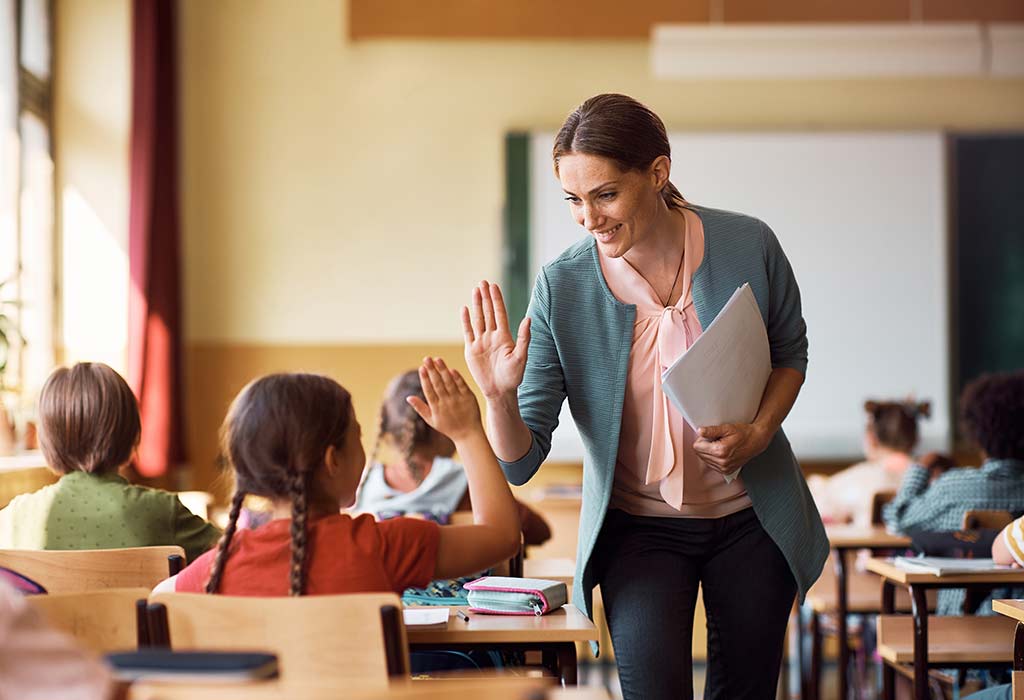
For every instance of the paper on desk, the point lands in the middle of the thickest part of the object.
(722, 376)
(424, 617)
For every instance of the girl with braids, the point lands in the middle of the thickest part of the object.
(889, 440)
(423, 478)
(294, 439)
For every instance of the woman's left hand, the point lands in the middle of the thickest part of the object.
(726, 448)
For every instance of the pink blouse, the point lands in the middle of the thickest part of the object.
(657, 472)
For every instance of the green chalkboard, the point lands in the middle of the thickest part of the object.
(987, 207)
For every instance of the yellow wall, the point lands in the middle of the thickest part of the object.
(338, 192)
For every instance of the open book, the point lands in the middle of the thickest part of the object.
(722, 376)
(947, 566)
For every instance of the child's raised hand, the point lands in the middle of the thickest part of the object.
(450, 408)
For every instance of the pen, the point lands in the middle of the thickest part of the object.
(462, 616)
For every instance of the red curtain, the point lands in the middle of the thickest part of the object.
(154, 307)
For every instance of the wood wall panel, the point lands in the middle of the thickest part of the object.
(613, 19)
(975, 10)
(817, 11)
(518, 19)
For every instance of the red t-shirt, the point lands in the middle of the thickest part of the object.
(344, 555)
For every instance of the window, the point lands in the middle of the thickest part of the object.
(27, 234)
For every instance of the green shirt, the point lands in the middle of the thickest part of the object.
(90, 511)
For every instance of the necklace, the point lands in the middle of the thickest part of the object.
(679, 268)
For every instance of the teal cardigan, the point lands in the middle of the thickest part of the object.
(581, 336)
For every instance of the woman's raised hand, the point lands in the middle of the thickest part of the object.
(496, 362)
(450, 408)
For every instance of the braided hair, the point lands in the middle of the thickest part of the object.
(274, 437)
(401, 425)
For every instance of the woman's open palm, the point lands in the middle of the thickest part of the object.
(495, 361)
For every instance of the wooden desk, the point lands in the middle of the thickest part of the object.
(554, 634)
(1014, 609)
(947, 634)
(843, 539)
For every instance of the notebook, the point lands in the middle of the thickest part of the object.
(192, 666)
(425, 617)
(946, 566)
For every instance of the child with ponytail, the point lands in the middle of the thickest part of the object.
(294, 439)
(418, 474)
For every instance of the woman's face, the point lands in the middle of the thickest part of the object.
(617, 207)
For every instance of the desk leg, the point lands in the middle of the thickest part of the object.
(844, 647)
(801, 652)
(814, 680)
(919, 608)
(1017, 689)
(1018, 647)
(565, 655)
(888, 672)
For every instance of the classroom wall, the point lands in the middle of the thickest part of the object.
(340, 199)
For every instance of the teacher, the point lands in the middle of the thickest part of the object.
(658, 518)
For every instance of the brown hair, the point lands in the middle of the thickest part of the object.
(88, 419)
(275, 436)
(894, 423)
(400, 423)
(621, 129)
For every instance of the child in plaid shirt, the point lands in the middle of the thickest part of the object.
(992, 410)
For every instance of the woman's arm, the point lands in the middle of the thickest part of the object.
(524, 390)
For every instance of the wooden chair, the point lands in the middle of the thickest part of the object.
(100, 621)
(79, 570)
(356, 637)
(987, 519)
(493, 688)
(878, 501)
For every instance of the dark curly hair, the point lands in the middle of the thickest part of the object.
(992, 414)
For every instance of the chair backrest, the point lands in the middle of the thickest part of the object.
(878, 501)
(987, 519)
(456, 685)
(357, 636)
(75, 571)
(100, 621)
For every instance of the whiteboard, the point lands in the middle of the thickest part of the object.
(862, 219)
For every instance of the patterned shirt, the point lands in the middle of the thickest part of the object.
(940, 506)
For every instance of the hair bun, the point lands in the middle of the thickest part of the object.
(924, 408)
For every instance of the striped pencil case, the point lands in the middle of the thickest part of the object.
(504, 595)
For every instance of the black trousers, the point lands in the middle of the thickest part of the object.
(649, 570)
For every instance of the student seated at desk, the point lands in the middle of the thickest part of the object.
(424, 478)
(992, 409)
(89, 428)
(889, 440)
(294, 438)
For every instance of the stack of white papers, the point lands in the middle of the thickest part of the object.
(722, 376)
(425, 617)
(945, 566)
